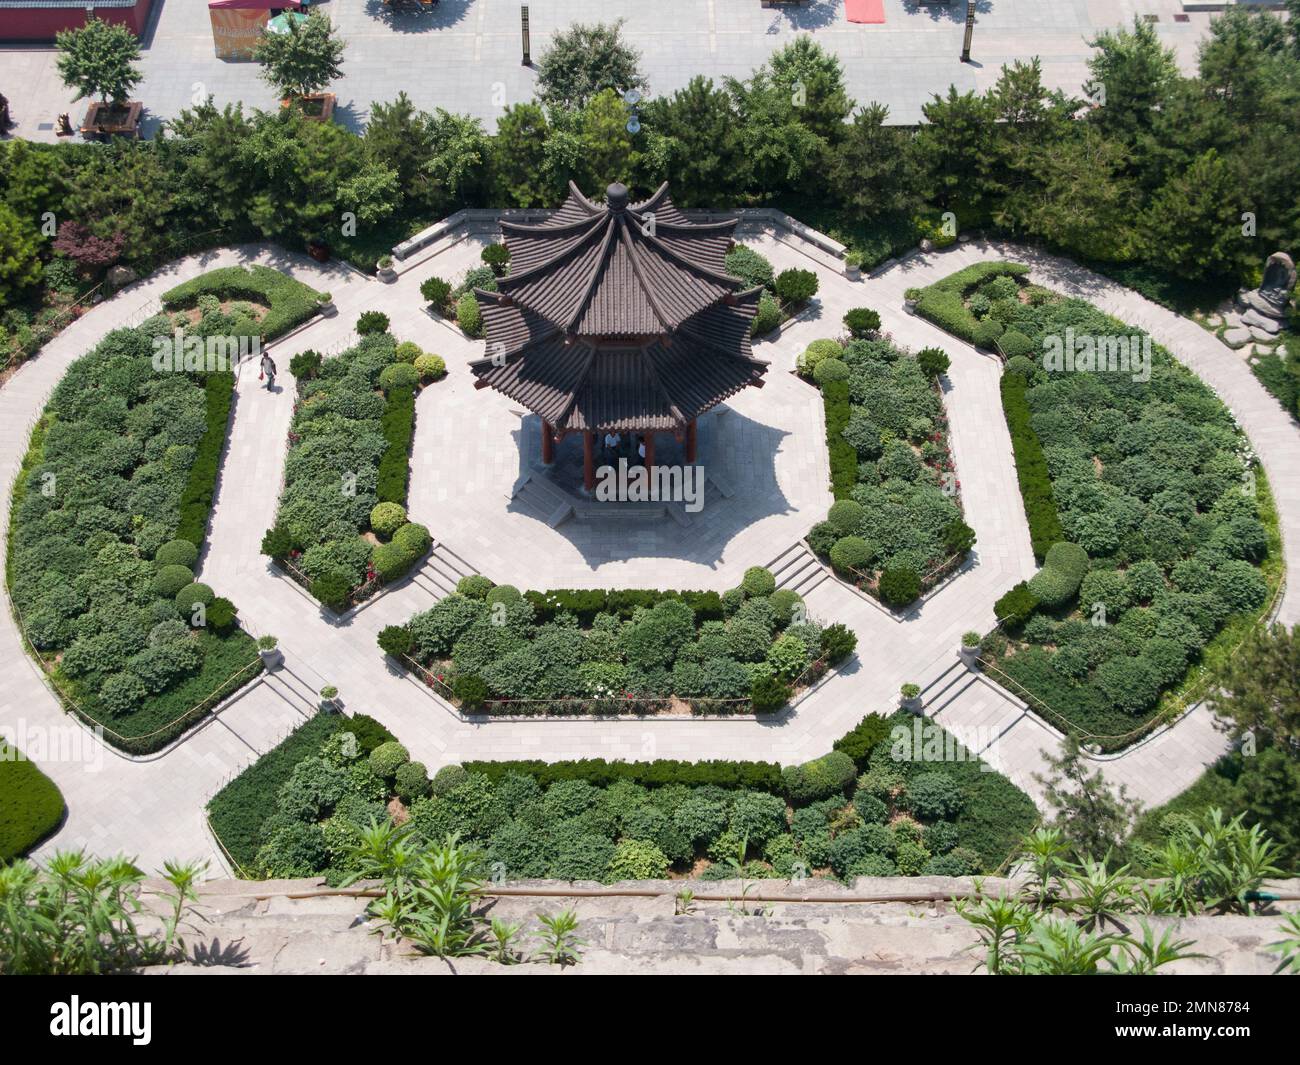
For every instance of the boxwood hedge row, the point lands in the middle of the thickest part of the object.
(31, 805)
(289, 302)
(1031, 467)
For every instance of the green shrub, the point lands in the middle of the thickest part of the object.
(391, 561)
(398, 428)
(815, 353)
(1014, 343)
(862, 322)
(305, 366)
(387, 518)
(398, 375)
(1015, 607)
(386, 759)
(372, 322)
(830, 370)
(503, 593)
(470, 691)
(431, 367)
(497, 256)
(221, 615)
(768, 694)
(407, 352)
(985, 334)
(943, 302)
(851, 556)
(176, 553)
(436, 291)
(899, 585)
(289, 302)
(171, 579)
(192, 594)
(838, 641)
(758, 581)
(395, 640)
(1031, 468)
(847, 516)
(414, 538)
(201, 484)
(934, 362)
(277, 543)
(767, 317)
(332, 588)
(468, 315)
(796, 286)
(831, 774)
(411, 782)
(474, 586)
(842, 454)
(748, 265)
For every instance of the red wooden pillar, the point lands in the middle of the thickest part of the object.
(589, 461)
(548, 443)
(691, 441)
(649, 450)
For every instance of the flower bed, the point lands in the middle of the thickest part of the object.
(896, 529)
(859, 810)
(1144, 500)
(494, 650)
(341, 530)
(109, 513)
(289, 302)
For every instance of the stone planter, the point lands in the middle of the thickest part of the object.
(331, 706)
(272, 659)
(386, 274)
(909, 306)
(910, 703)
(853, 272)
(970, 657)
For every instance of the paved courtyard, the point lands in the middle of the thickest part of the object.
(464, 55)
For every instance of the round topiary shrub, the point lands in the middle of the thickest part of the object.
(468, 315)
(436, 291)
(847, 516)
(899, 585)
(769, 693)
(171, 579)
(388, 758)
(278, 543)
(934, 362)
(497, 256)
(851, 553)
(431, 367)
(504, 593)
(784, 602)
(122, 693)
(862, 322)
(838, 642)
(407, 351)
(758, 581)
(191, 595)
(767, 317)
(387, 518)
(391, 561)
(448, 779)
(796, 286)
(1022, 366)
(221, 615)
(814, 353)
(395, 640)
(1014, 343)
(176, 553)
(372, 322)
(398, 375)
(411, 782)
(934, 796)
(474, 586)
(831, 370)
(413, 537)
(470, 691)
(986, 333)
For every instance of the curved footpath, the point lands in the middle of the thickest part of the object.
(154, 808)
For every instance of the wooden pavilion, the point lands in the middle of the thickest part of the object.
(618, 318)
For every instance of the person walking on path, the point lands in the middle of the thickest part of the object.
(268, 371)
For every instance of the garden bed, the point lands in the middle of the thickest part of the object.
(491, 650)
(1154, 525)
(31, 805)
(896, 529)
(857, 811)
(341, 530)
(109, 514)
(289, 302)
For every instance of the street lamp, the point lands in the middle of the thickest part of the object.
(970, 29)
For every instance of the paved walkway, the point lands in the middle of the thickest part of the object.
(464, 55)
(124, 804)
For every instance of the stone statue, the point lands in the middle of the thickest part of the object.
(1266, 307)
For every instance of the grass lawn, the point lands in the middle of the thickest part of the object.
(31, 806)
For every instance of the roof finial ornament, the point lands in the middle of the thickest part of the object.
(616, 197)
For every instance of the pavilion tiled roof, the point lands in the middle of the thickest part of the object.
(618, 316)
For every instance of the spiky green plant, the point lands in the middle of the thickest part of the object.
(558, 937)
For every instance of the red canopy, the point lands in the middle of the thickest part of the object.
(261, 5)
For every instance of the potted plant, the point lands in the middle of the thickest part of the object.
(301, 62)
(99, 59)
(969, 652)
(269, 648)
(329, 699)
(910, 698)
(853, 265)
(384, 269)
(910, 298)
(325, 303)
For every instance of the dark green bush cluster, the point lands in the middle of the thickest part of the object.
(436, 291)
(370, 323)
(583, 651)
(350, 451)
(944, 302)
(831, 774)
(31, 805)
(862, 322)
(751, 267)
(796, 286)
(125, 457)
(1031, 468)
(759, 776)
(290, 302)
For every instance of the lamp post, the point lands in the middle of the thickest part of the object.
(523, 20)
(970, 29)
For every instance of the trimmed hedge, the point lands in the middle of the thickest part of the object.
(760, 776)
(1031, 468)
(943, 303)
(398, 428)
(31, 805)
(196, 500)
(843, 457)
(290, 302)
(586, 603)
